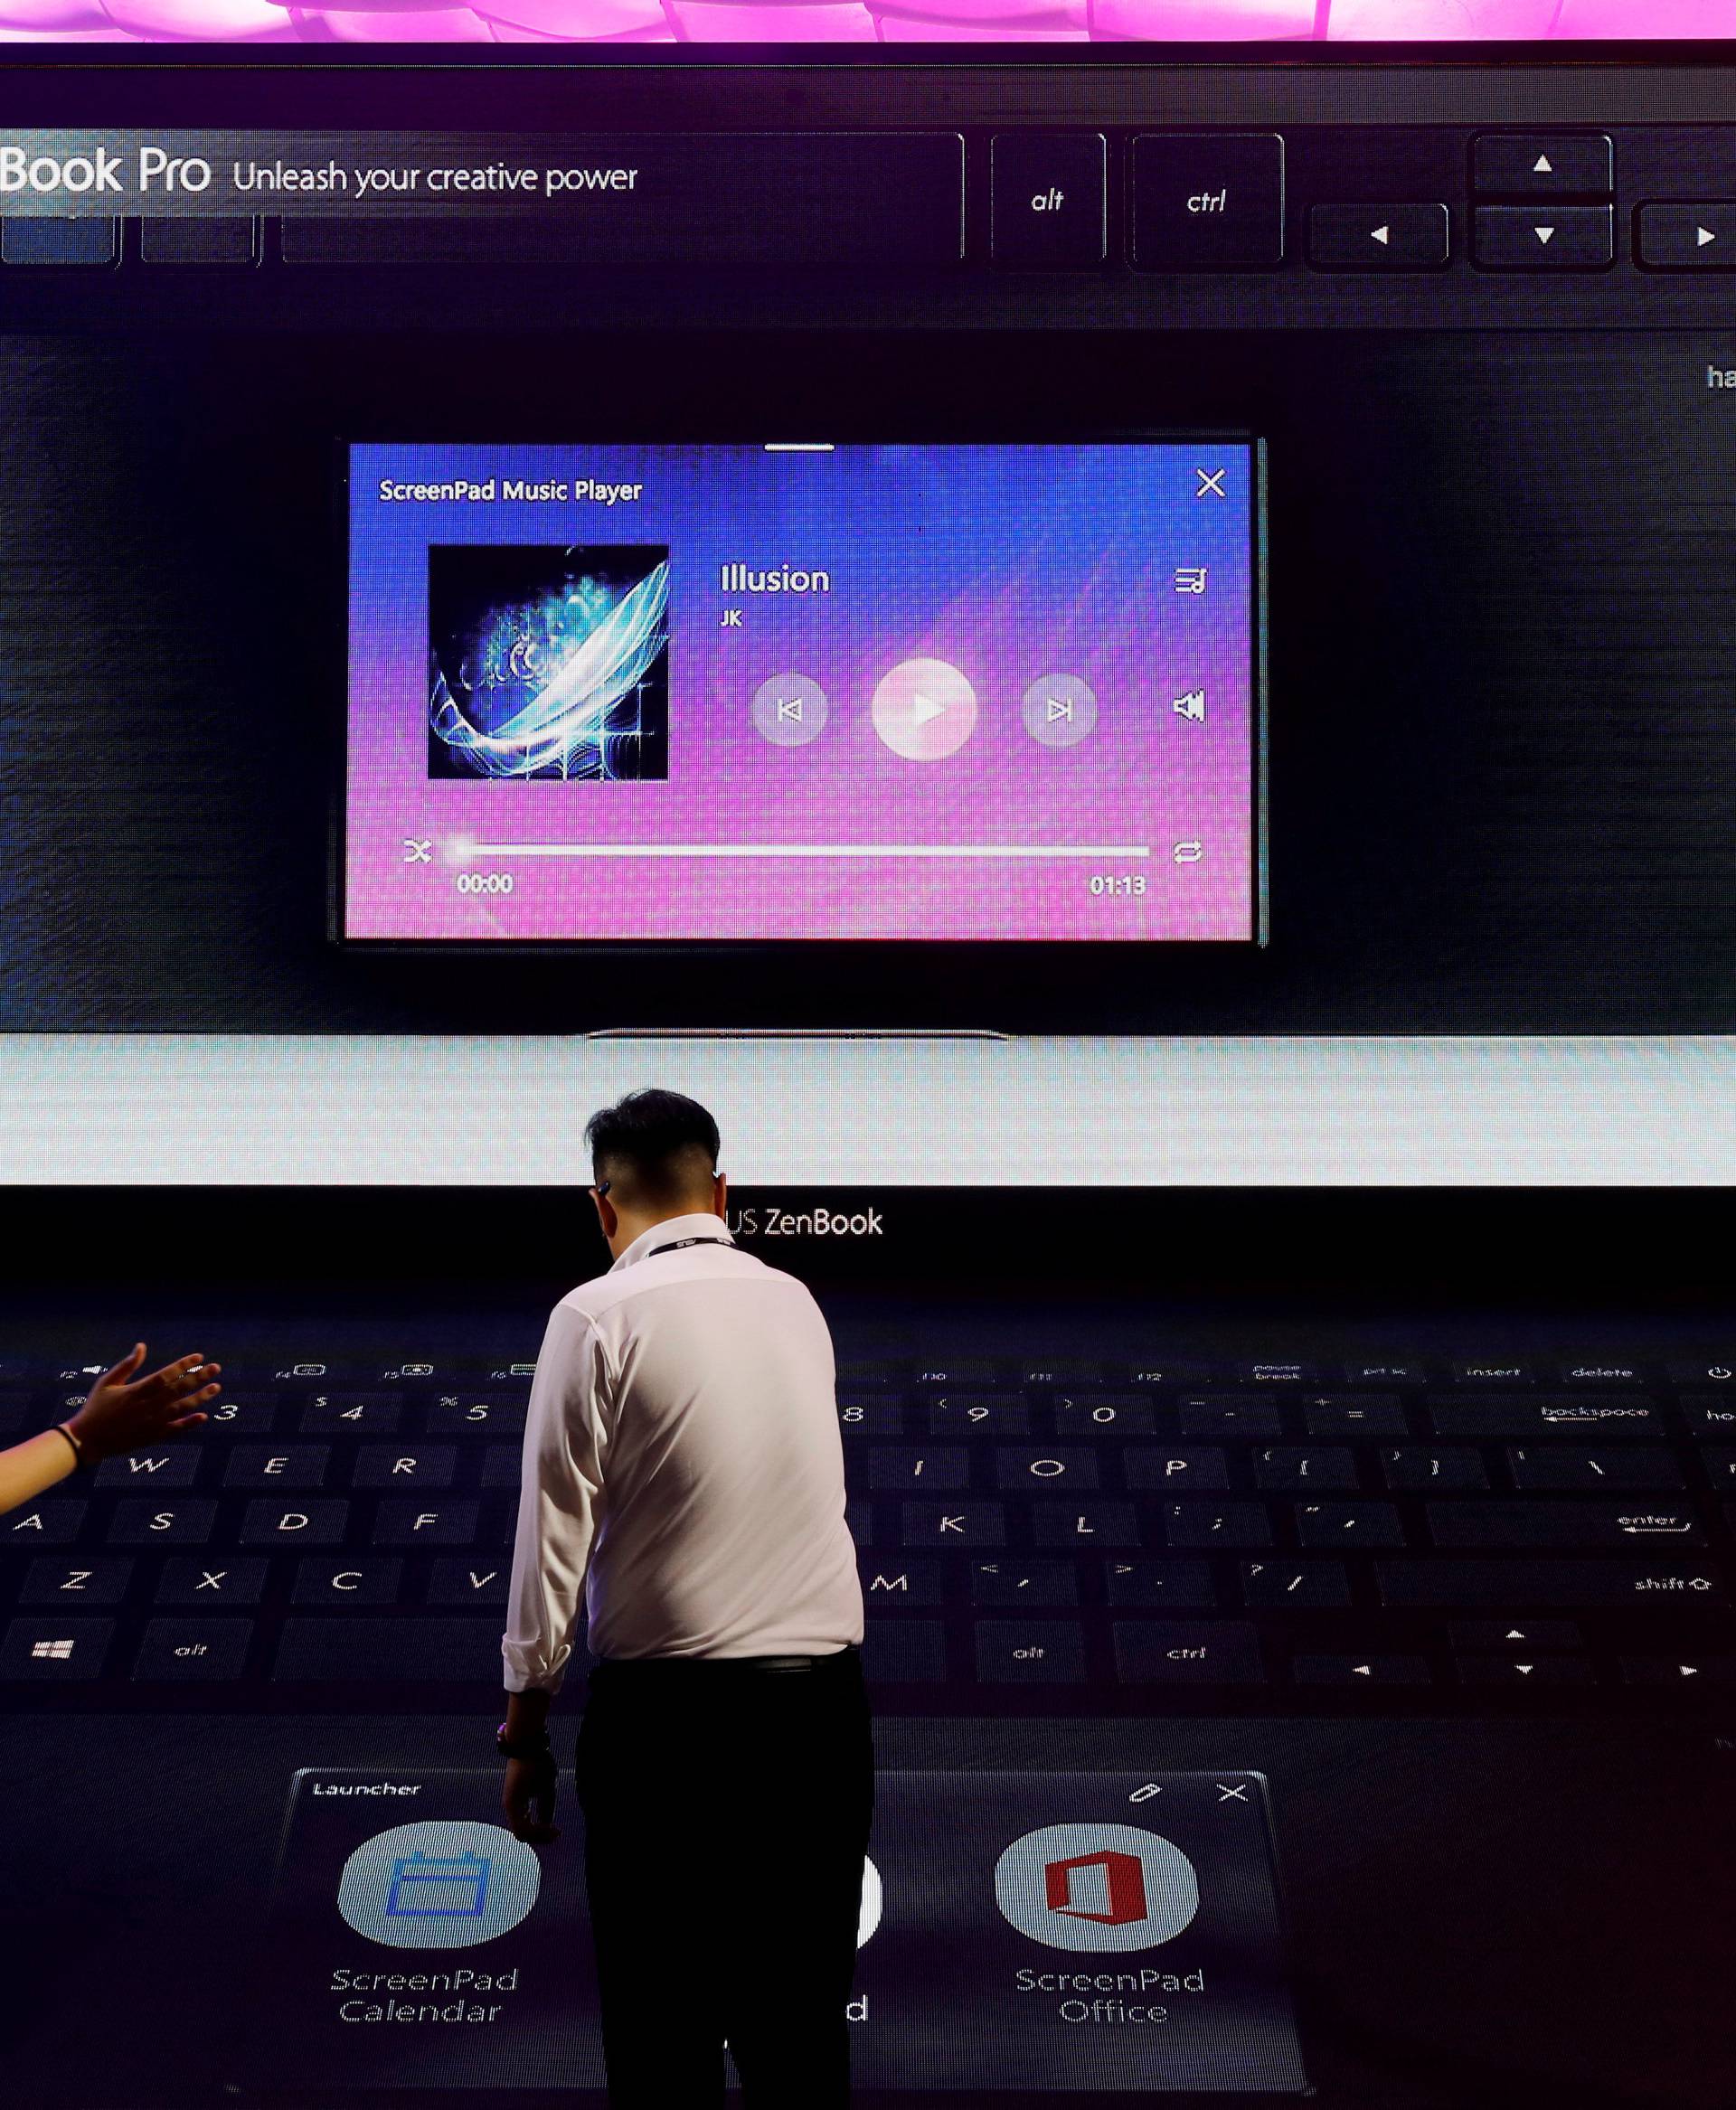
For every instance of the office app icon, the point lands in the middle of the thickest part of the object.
(437, 1886)
(1096, 1887)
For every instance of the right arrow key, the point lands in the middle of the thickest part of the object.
(1687, 236)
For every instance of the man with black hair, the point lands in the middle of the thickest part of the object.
(683, 1472)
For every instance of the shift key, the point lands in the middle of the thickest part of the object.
(1566, 1584)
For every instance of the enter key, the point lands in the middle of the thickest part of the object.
(1624, 1524)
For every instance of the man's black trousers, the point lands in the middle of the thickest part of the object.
(726, 1817)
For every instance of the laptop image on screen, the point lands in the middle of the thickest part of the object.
(1297, 1622)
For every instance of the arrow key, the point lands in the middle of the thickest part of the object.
(1544, 238)
(1377, 238)
(1683, 1671)
(1544, 165)
(1518, 1637)
(1526, 1671)
(1354, 1670)
(1686, 237)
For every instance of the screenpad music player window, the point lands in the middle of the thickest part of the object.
(803, 691)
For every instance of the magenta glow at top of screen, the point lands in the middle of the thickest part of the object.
(629, 22)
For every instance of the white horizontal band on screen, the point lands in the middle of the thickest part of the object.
(469, 853)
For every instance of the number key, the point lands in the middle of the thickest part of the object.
(352, 1414)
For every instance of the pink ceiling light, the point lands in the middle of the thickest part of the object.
(246, 22)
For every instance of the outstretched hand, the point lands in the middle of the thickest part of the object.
(124, 1411)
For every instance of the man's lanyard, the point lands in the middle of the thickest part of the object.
(679, 1245)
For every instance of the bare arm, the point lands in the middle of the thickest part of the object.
(120, 1416)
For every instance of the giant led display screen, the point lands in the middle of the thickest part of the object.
(788, 691)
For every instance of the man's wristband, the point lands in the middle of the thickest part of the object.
(80, 1462)
(509, 1749)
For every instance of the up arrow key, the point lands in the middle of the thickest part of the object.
(1542, 165)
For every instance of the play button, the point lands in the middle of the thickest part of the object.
(924, 709)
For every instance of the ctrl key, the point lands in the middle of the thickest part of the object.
(55, 1651)
(174, 1649)
(1187, 1652)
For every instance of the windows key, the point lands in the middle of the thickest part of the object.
(1208, 201)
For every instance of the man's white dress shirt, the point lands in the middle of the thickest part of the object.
(683, 1466)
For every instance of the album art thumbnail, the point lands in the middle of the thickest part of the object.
(548, 661)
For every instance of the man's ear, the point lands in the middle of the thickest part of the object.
(605, 1214)
(720, 1197)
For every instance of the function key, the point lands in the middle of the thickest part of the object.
(1047, 200)
(1276, 1373)
(1384, 1376)
(1501, 1370)
(868, 1377)
(1716, 1371)
(1544, 165)
(1208, 201)
(1152, 1376)
(965, 1369)
(1377, 238)
(509, 1374)
(1062, 1374)
(1544, 238)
